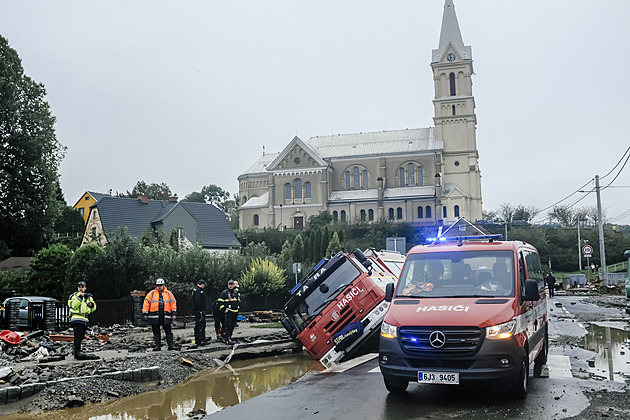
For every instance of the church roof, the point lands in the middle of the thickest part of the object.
(257, 202)
(451, 35)
(260, 166)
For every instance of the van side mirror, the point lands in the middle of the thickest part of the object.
(389, 292)
(531, 290)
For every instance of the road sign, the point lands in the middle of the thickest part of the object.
(587, 250)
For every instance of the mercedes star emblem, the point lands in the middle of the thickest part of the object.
(437, 339)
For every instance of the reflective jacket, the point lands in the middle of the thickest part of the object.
(79, 309)
(229, 300)
(154, 302)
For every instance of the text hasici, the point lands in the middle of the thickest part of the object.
(355, 291)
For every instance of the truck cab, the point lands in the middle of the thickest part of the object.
(340, 304)
(466, 310)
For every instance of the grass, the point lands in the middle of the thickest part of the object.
(269, 325)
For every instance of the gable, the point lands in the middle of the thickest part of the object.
(296, 154)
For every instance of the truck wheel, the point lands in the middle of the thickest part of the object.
(395, 386)
(519, 388)
(541, 359)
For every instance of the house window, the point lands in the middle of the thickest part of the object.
(335, 216)
(297, 188)
(452, 80)
(399, 213)
(363, 215)
(420, 212)
(348, 180)
(287, 191)
(456, 211)
(365, 180)
(307, 190)
(370, 215)
(391, 214)
(180, 234)
(256, 220)
(427, 212)
(355, 176)
(420, 176)
(401, 174)
(411, 174)
(444, 212)
(343, 215)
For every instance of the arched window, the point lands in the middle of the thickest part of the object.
(256, 220)
(370, 214)
(453, 109)
(391, 214)
(452, 80)
(420, 176)
(444, 212)
(297, 188)
(362, 215)
(456, 211)
(343, 215)
(364, 185)
(399, 213)
(355, 178)
(401, 174)
(307, 190)
(244, 199)
(335, 216)
(348, 180)
(420, 212)
(411, 172)
(427, 212)
(287, 191)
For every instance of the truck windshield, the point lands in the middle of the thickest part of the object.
(458, 274)
(316, 300)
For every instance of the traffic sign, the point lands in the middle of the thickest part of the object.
(587, 250)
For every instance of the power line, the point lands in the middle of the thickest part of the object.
(624, 154)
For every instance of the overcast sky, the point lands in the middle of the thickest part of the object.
(188, 93)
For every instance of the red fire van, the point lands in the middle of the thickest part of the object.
(468, 309)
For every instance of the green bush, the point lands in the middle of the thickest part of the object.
(262, 278)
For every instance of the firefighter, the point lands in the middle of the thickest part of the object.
(160, 308)
(199, 309)
(228, 303)
(81, 305)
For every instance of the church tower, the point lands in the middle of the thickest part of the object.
(455, 121)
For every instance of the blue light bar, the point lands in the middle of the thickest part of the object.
(297, 286)
(463, 238)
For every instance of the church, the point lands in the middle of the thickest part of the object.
(423, 176)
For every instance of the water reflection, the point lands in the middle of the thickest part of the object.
(210, 390)
(611, 343)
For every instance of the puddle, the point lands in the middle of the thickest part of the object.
(210, 390)
(611, 343)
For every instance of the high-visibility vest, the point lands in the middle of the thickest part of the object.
(151, 306)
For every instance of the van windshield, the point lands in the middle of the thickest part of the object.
(458, 274)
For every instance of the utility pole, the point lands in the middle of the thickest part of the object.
(602, 251)
(579, 245)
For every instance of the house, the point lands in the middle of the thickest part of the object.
(422, 176)
(22, 264)
(87, 200)
(193, 223)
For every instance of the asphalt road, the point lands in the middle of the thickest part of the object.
(357, 392)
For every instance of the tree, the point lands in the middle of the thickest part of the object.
(506, 210)
(524, 213)
(30, 155)
(214, 194)
(262, 278)
(152, 191)
(563, 214)
(69, 227)
(48, 271)
(298, 249)
(322, 219)
(195, 197)
(334, 245)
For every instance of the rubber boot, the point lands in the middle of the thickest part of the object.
(157, 346)
(169, 340)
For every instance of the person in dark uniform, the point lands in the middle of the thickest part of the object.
(228, 303)
(551, 284)
(199, 309)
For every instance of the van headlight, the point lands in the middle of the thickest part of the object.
(388, 331)
(501, 331)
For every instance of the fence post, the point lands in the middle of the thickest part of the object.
(138, 300)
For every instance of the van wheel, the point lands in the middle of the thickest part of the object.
(541, 359)
(395, 387)
(519, 388)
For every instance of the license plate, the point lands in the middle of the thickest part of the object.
(449, 378)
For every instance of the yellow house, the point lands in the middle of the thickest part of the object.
(86, 201)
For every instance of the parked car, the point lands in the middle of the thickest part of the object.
(25, 303)
(488, 223)
(520, 223)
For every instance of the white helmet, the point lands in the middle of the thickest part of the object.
(159, 282)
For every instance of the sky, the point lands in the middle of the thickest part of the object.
(189, 93)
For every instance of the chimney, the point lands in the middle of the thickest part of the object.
(144, 199)
(173, 199)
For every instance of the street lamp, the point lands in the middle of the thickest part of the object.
(280, 228)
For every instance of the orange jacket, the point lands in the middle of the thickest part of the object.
(151, 306)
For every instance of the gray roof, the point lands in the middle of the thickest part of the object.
(260, 166)
(451, 35)
(257, 202)
(212, 227)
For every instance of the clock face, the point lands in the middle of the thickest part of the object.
(450, 57)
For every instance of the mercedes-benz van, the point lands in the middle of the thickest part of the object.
(463, 311)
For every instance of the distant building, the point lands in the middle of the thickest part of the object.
(193, 223)
(87, 200)
(22, 264)
(425, 176)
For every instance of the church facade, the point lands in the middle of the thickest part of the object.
(425, 176)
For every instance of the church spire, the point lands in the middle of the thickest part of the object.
(451, 36)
